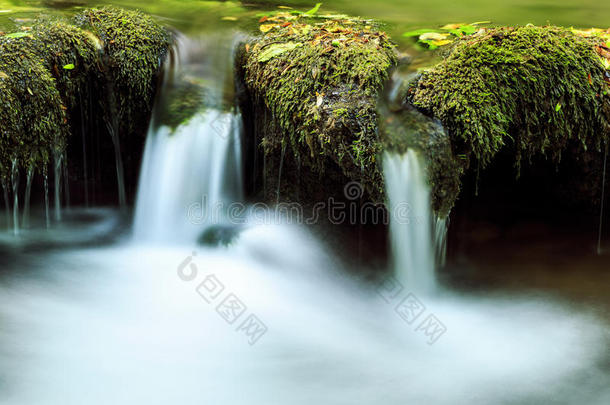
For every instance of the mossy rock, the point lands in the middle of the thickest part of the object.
(537, 91)
(98, 76)
(31, 109)
(402, 127)
(70, 54)
(135, 47)
(313, 83)
(182, 102)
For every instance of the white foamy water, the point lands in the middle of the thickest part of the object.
(119, 325)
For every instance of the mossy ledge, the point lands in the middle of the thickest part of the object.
(62, 77)
(311, 86)
(534, 91)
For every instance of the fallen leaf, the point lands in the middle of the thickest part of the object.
(452, 26)
(277, 49)
(229, 18)
(267, 27)
(18, 35)
(417, 33)
(433, 36)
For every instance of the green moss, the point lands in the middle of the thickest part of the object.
(31, 110)
(183, 101)
(319, 79)
(71, 55)
(403, 128)
(47, 72)
(135, 47)
(531, 89)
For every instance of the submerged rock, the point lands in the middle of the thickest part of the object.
(219, 235)
(402, 128)
(310, 88)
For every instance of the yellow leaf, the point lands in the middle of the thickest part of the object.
(229, 18)
(441, 42)
(452, 26)
(267, 27)
(433, 36)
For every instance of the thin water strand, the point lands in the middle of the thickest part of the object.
(279, 175)
(57, 190)
(119, 165)
(45, 176)
(66, 183)
(25, 219)
(7, 205)
(440, 240)
(15, 185)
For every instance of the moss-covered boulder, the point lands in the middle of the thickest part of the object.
(182, 101)
(31, 110)
(536, 91)
(135, 47)
(95, 77)
(70, 54)
(311, 84)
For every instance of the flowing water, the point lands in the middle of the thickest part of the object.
(95, 311)
(411, 221)
(190, 175)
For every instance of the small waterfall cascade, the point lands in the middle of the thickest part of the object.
(411, 224)
(190, 174)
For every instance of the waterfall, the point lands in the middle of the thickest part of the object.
(45, 175)
(410, 221)
(15, 185)
(190, 174)
(7, 210)
(57, 178)
(440, 240)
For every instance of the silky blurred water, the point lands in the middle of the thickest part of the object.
(117, 323)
